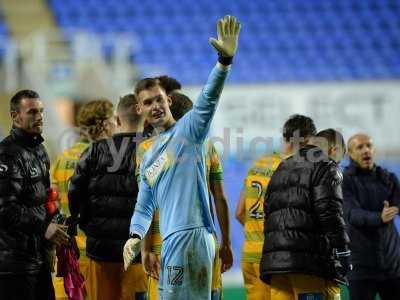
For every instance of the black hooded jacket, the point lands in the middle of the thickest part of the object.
(304, 217)
(24, 181)
(103, 192)
(375, 246)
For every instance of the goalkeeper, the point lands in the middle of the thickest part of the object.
(173, 179)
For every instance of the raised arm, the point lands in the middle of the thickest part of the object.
(198, 120)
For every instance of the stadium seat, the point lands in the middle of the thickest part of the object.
(4, 37)
(281, 40)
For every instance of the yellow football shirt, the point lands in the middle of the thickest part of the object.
(255, 187)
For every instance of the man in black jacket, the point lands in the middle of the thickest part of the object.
(24, 224)
(371, 202)
(305, 245)
(103, 192)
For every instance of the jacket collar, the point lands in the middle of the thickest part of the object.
(136, 136)
(353, 169)
(128, 134)
(24, 138)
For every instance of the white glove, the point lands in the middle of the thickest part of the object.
(131, 250)
(228, 30)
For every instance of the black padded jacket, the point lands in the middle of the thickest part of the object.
(304, 217)
(24, 181)
(103, 192)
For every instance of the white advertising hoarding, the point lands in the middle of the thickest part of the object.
(251, 115)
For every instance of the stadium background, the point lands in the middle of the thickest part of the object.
(335, 60)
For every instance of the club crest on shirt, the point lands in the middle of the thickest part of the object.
(3, 168)
(33, 172)
(153, 172)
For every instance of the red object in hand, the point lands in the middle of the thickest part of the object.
(51, 201)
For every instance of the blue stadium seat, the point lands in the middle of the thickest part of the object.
(281, 40)
(4, 37)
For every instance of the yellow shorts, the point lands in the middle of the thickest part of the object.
(152, 289)
(152, 284)
(256, 289)
(109, 281)
(58, 283)
(300, 286)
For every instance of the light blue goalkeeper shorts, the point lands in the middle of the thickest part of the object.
(186, 265)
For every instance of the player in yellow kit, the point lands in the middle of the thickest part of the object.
(153, 242)
(250, 213)
(90, 122)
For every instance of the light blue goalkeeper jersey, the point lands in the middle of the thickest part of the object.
(173, 170)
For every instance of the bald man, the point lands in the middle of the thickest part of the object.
(371, 202)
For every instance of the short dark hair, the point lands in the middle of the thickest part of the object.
(169, 84)
(181, 104)
(126, 108)
(126, 102)
(17, 98)
(145, 84)
(333, 137)
(303, 125)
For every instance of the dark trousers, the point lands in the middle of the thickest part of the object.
(28, 287)
(367, 289)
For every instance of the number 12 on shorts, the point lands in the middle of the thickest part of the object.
(175, 275)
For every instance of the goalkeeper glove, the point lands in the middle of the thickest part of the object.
(131, 250)
(228, 30)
